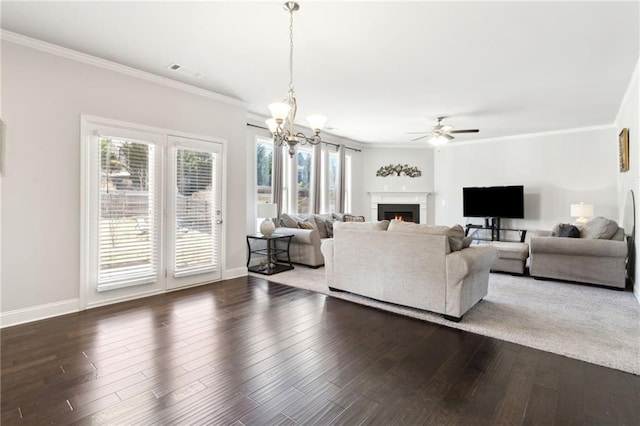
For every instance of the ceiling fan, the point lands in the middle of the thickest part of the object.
(440, 134)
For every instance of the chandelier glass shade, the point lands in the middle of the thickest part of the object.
(283, 113)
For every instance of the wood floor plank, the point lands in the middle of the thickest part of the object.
(248, 351)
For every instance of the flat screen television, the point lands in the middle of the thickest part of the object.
(493, 201)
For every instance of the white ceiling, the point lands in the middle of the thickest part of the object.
(377, 69)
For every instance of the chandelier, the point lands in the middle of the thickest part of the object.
(284, 113)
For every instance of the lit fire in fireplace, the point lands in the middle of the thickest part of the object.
(398, 217)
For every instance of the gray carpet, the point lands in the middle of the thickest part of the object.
(593, 324)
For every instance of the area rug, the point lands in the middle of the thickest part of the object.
(593, 324)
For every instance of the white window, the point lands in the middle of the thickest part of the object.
(347, 185)
(333, 181)
(303, 173)
(195, 208)
(127, 227)
(151, 211)
(264, 173)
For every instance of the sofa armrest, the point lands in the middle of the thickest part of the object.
(578, 247)
(467, 261)
(327, 251)
(301, 236)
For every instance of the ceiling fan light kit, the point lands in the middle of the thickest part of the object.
(441, 134)
(283, 113)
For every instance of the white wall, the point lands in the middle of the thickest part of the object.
(374, 158)
(628, 116)
(43, 96)
(556, 170)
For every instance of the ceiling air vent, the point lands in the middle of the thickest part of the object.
(185, 70)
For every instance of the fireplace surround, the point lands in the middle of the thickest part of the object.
(403, 199)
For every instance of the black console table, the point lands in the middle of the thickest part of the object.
(270, 265)
(493, 225)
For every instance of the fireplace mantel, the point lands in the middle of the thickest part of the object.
(399, 197)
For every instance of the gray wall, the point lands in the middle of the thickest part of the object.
(43, 96)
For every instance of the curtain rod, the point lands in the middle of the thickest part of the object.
(324, 142)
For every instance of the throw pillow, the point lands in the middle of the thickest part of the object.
(466, 242)
(288, 221)
(352, 218)
(558, 228)
(569, 231)
(321, 223)
(329, 224)
(599, 228)
(455, 233)
(306, 225)
(338, 216)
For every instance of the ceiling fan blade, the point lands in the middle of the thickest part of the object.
(421, 137)
(465, 131)
(417, 133)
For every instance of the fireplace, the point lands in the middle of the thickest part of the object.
(401, 200)
(404, 212)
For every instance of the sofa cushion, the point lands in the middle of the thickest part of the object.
(306, 225)
(382, 225)
(455, 233)
(329, 224)
(291, 220)
(352, 218)
(599, 228)
(569, 231)
(321, 223)
(558, 228)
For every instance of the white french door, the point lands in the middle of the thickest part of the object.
(194, 212)
(152, 211)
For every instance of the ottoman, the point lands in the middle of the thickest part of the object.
(512, 257)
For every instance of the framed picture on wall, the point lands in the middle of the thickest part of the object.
(623, 147)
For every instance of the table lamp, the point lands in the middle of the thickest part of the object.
(267, 211)
(582, 211)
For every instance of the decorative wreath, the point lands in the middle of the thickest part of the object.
(398, 169)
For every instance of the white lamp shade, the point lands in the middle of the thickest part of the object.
(582, 210)
(279, 110)
(267, 210)
(316, 122)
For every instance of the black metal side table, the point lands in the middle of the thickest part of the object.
(270, 265)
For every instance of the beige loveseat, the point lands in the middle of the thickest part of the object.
(598, 256)
(409, 264)
(305, 244)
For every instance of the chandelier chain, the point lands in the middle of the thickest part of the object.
(291, 50)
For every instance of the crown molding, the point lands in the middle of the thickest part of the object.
(113, 66)
(496, 139)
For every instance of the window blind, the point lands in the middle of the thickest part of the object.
(127, 228)
(195, 208)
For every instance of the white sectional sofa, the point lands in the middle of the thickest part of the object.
(409, 264)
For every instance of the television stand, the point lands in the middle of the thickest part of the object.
(493, 225)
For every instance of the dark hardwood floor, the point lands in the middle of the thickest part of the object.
(250, 352)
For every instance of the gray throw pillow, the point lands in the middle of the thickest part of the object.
(288, 221)
(321, 223)
(599, 228)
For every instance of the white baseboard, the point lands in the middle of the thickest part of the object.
(35, 313)
(235, 273)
